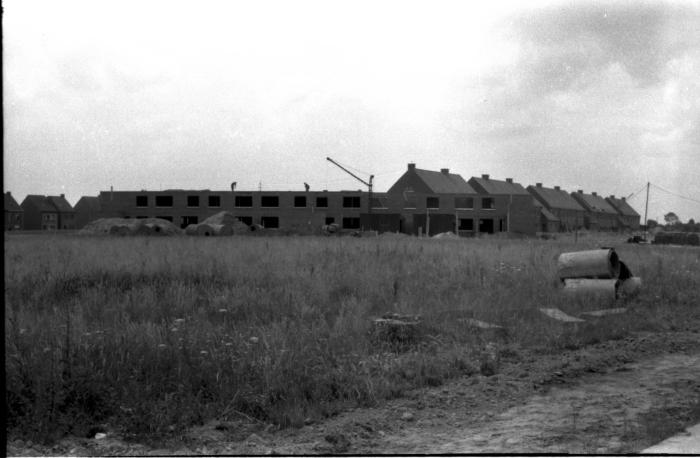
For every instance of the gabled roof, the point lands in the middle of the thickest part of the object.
(490, 186)
(594, 203)
(445, 183)
(88, 203)
(549, 216)
(621, 206)
(555, 198)
(11, 204)
(40, 203)
(61, 204)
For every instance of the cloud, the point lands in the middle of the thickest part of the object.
(565, 47)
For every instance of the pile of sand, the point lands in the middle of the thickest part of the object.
(130, 227)
(221, 224)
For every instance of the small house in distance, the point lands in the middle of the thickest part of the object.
(600, 214)
(561, 205)
(433, 202)
(39, 214)
(628, 218)
(87, 209)
(511, 208)
(64, 210)
(14, 215)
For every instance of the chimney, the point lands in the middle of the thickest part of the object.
(594, 193)
(509, 180)
(445, 171)
(612, 196)
(557, 188)
(485, 176)
(63, 196)
(624, 200)
(8, 193)
(580, 191)
(539, 185)
(411, 166)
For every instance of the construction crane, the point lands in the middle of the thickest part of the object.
(368, 184)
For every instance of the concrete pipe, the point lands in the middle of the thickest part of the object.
(630, 287)
(602, 263)
(590, 288)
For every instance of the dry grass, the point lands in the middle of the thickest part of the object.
(155, 335)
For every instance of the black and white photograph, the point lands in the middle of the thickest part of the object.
(351, 227)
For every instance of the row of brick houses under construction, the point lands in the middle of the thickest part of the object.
(421, 201)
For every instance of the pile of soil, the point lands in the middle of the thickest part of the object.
(221, 224)
(130, 227)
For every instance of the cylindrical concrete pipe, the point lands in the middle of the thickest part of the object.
(602, 263)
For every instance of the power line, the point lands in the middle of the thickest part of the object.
(674, 194)
(634, 194)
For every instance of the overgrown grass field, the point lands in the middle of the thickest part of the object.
(153, 335)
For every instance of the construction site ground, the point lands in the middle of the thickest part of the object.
(619, 396)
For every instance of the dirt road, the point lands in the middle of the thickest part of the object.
(615, 397)
(595, 415)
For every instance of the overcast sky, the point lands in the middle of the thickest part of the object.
(599, 96)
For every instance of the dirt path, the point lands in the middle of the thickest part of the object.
(593, 416)
(614, 397)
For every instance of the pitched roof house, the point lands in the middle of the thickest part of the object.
(512, 206)
(548, 221)
(430, 182)
(14, 215)
(429, 201)
(87, 209)
(487, 185)
(39, 213)
(628, 218)
(600, 214)
(66, 214)
(561, 205)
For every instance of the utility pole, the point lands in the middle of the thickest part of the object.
(646, 207)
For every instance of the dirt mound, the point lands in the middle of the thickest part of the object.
(221, 224)
(129, 227)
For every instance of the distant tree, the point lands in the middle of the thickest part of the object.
(671, 218)
(691, 226)
(652, 223)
